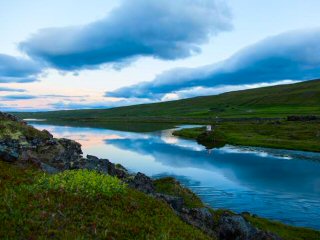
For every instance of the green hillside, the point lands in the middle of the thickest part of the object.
(276, 101)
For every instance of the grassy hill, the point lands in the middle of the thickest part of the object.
(276, 101)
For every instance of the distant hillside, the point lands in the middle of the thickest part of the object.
(276, 101)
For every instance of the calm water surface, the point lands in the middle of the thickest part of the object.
(277, 184)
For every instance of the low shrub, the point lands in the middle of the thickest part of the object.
(82, 182)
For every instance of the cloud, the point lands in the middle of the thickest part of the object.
(204, 91)
(18, 70)
(61, 96)
(97, 105)
(162, 29)
(6, 89)
(17, 97)
(292, 55)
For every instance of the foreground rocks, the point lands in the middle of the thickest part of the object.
(229, 226)
(235, 227)
(52, 155)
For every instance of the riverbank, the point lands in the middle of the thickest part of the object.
(29, 212)
(283, 134)
(31, 199)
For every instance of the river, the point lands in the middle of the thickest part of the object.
(277, 184)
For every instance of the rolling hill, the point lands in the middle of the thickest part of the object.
(268, 102)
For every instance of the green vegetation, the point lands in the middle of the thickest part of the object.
(191, 133)
(268, 102)
(234, 112)
(15, 130)
(284, 231)
(82, 182)
(172, 187)
(275, 134)
(31, 208)
(57, 213)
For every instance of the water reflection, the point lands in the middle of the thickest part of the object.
(277, 184)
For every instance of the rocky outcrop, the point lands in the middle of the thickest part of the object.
(61, 154)
(8, 151)
(201, 218)
(235, 227)
(176, 203)
(10, 117)
(226, 226)
(142, 183)
(104, 166)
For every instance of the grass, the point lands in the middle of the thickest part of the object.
(274, 134)
(191, 133)
(268, 102)
(16, 130)
(52, 212)
(171, 186)
(276, 102)
(82, 182)
(28, 211)
(284, 231)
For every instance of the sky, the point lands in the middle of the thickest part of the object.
(75, 54)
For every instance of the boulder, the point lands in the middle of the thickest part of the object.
(11, 117)
(47, 168)
(235, 227)
(142, 183)
(9, 155)
(200, 218)
(117, 170)
(94, 163)
(175, 202)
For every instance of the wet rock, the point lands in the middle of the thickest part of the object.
(175, 202)
(142, 183)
